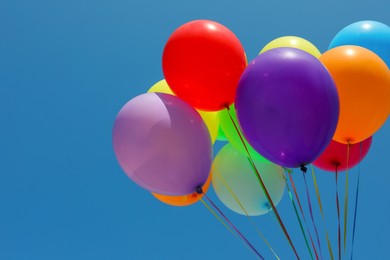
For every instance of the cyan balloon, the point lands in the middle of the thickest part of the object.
(371, 35)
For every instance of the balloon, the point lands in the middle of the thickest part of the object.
(231, 132)
(211, 121)
(287, 106)
(293, 42)
(210, 118)
(372, 35)
(232, 170)
(184, 200)
(363, 83)
(162, 144)
(335, 155)
(221, 135)
(161, 87)
(202, 63)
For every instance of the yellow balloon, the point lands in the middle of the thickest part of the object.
(210, 118)
(211, 121)
(293, 42)
(161, 87)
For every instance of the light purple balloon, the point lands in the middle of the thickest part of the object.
(162, 144)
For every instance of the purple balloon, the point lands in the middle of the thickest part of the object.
(162, 144)
(288, 106)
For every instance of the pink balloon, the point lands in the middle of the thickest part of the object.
(162, 144)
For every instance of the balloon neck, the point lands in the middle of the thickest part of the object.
(336, 164)
(199, 190)
(303, 168)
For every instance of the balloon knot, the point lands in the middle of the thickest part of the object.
(303, 168)
(199, 190)
(336, 163)
(268, 206)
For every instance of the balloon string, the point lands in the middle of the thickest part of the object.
(303, 214)
(220, 220)
(356, 200)
(233, 226)
(299, 220)
(247, 215)
(329, 246)
(338, 215)
(346, 200)
(262, 184)
(311, 210)
(322, 212)
(223, 223)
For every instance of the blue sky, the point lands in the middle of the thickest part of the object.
(67, 67)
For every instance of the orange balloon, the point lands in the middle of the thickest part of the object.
(363, 83)
(184, 200)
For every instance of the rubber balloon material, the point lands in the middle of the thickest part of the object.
(184, 200)
(210, 118)
(293, 42)
(231, 133)
(202, 63)
(372, 35)
(221, 135)
(162, 144)
(335, 155)
(287, 106)
(363, 83)
(231, 170)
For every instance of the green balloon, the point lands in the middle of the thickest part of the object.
(231, 134)
(221, 136)
(232, 173)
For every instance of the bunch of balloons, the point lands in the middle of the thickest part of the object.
(289, 107)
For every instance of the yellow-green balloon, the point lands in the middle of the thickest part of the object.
(232, 173)
(209, 118)
(293, 42)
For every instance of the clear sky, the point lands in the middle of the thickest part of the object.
(67, 67)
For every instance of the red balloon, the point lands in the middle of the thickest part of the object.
(202, 63)
(336, 155)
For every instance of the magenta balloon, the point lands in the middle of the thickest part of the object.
(287, 105)
(162, 144)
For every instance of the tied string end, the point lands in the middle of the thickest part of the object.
(346, 197)
(338, 214)
(356, 200)
(322, 212)
(299, 219)
(304, 170)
